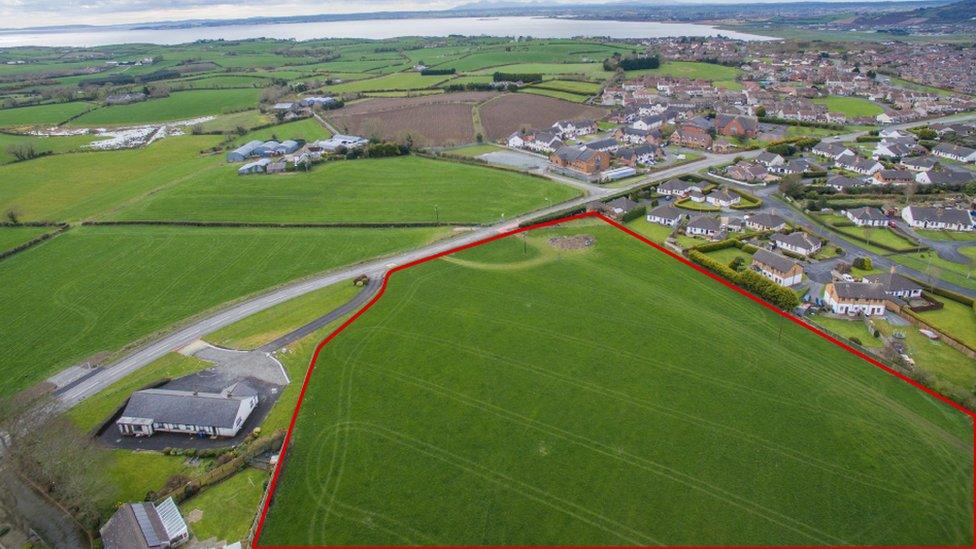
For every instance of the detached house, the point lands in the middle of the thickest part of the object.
(854, 298)
(894, 177)
(867, 217)
(747, 171)
(842, 183)
(770, 160)
(666, 215)
(945, 177)
(896, 285)
(780, 269)
(797, 242)
(678, 187)
(947, 219)
(919, 163)
(832, 151)
(145, 526)
(587, 161)
(574, 128)
(765, 222)
(195, 413)
(723, 198)
(708, 227)
(859, 165)
(955, 152)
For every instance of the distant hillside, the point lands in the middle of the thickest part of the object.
(963, 12)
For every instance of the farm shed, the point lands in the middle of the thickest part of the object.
(242, 153)
(214, 414)
(258, 166)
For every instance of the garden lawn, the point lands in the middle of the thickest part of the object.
(73, 186)
(849, 329)
(882, 236)
(404, 189)
(929, 263)
(98, 289)
(91, 412)
(591, 70)
(485, 400)
(228, 507)
(851, 107)
(134, 474)
(178, 106)
(659, 233)
(267, 325)
(42, 115)
(946, 235)
(950, 368)
(11, 237)
(954, 318)
(475, 150)
(567, 96)
(726, 255)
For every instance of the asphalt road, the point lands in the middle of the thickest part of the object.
(377, 267)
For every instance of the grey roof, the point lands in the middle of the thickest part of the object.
(143, 526)
(247, 148)
(903, 175)
(843, 181)
(766, 220)
(778, 262)
(920, 161)
(724, 195)
(868, 214)
(601, 143)
(168, 406)
(677, 185)
(894, 282)
(859, 290)
(705, 223)
(798, 239)
(949, 148)
(572, 154)
(622, 203)
(666, 211)
(943, 215)
(749, 123)
(832, 149)
(950, 177)
(766, 157)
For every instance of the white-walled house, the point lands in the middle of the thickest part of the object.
(896, 285)
(780, 269)
(854, 298)
(867, 217)
(945, 219)
(797, 242)
(666, 215)
(165, 410)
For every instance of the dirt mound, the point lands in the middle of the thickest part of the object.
(575, 242)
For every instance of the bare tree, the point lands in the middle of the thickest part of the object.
(22, 151)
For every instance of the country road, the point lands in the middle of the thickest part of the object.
(375, 268)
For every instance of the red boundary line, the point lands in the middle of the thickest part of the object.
(611, 222)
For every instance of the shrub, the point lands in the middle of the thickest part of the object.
(633, 214)
(863, 263)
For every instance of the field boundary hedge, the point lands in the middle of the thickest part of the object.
(270, 225)
(34, 241)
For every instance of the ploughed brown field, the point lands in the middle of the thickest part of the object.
(431, 120)
(505, 114)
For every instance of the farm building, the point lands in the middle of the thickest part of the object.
(798, 243)
(244, 152)
(780, 269)
(340, 141)
(258, 166)
(854, 298)
(312, 101)
(947, 219)
(145, 526)
(212, 414)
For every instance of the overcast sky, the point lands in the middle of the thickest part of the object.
(36, 13)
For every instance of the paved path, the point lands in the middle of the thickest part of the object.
(368, 291)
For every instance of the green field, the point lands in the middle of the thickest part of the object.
(42, 145)
(308, 129)
(689, 69)
(228, 508)
(442, 417)
(230, 122)
(178, 106)
(97, 289)
(954, 318)
(395, 81)
(11, 237)
(852, 107)
(405, 189)
(41, 115)
(591, 70)
(538, 53)
(67, 187)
